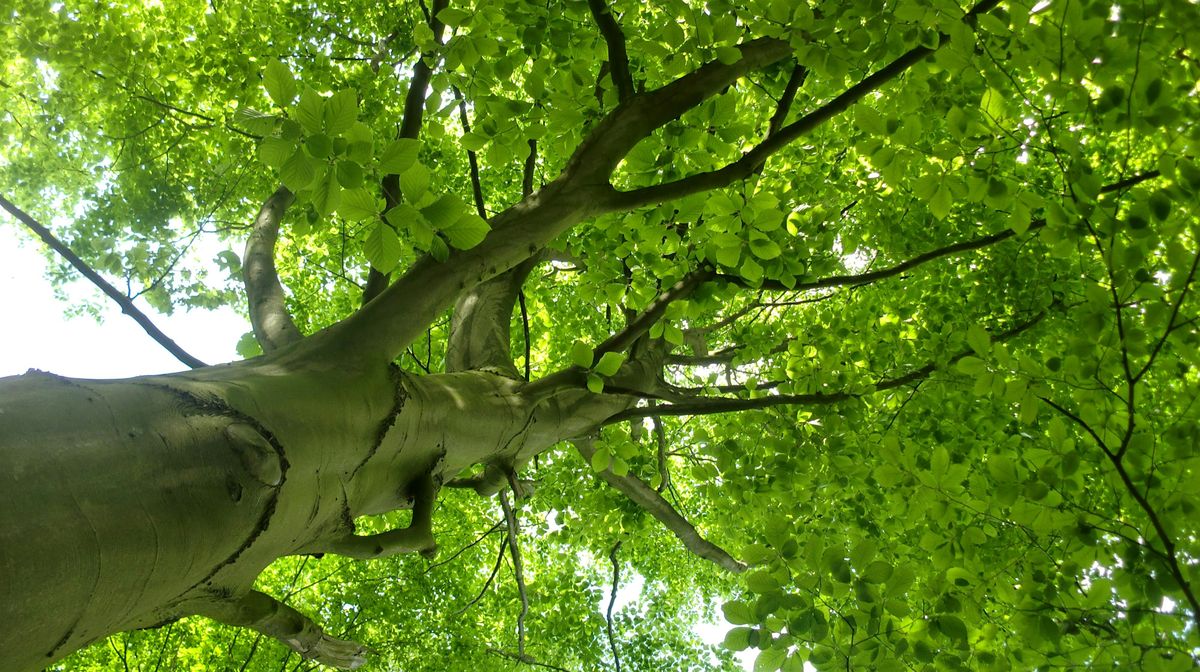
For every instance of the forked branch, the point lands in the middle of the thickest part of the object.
(753, 160)
(618, 58)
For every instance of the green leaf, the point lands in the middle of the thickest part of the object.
(254, 121)
(358, 204)
(349, 174)
(382, 248)
(327, 194)
(309, 110)
(445, 211)
(275, 151)
(299, 171)
(468, 231)
(280, 84)
(340, 111)
(729, 55)
(473, 142)
(952, 626)
(414, 182)
(619, 467)
(453, 17)
(764, 248)
(581, 354)
(979, 340)
(601, 459)
(398, 156)
(729, 256)
(319, 146)
(438, 249)
(971, 365)
(248, 346)
(610, 363)
(770, 659)
(737, 639)
(751, 271)
(738, 613)
(762, 582)
(941, 202)
(878, 571)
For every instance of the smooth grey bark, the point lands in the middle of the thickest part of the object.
(269, 317)
(126, 504)
(481, 323)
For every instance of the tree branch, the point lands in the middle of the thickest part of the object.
(80, 265)
(269, 317)
(618, 59)
(612, 600)
(612, 138)
(955, 248)
(480, 326)
(752, 160)
(874, 276)
(715, 405)
(472, 157)
(653, 503)
(410, 127)
(795, 81)
(528, 660)
(514, 531)
(382, 328)
(622, 340)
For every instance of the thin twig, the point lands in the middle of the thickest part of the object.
(612, 600)
(518, 568)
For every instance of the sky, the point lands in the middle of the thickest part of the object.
(38, 334)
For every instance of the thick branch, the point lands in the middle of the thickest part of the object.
(80, 265)
(480, 327)
(756, 157)
(653, 503)
(618, 59)
(410, 127)
(265, 614)
(612, 138)
(269, 317)
(384, 327)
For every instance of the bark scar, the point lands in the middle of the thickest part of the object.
(212, 405)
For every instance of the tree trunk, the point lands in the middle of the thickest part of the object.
(126, 504)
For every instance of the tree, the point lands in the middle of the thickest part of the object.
(874, 320)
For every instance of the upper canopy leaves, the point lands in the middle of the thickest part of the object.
(963, 249)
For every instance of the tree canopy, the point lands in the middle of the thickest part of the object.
(894, 303)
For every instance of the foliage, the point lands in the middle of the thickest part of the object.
(988, 460)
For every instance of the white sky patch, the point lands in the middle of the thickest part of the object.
(39, 335)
